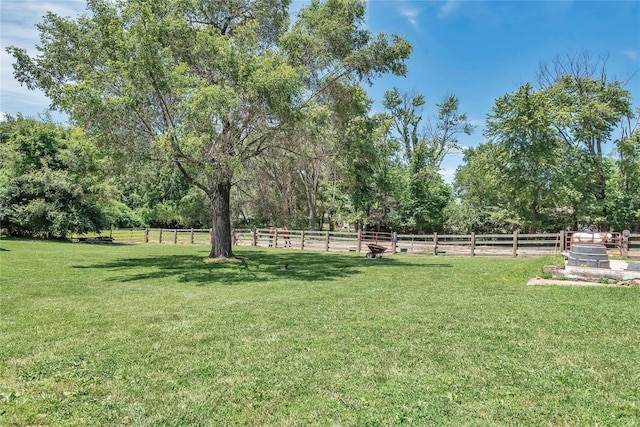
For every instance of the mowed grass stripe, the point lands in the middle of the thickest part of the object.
(152, 335)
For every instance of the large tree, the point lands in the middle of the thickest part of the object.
(210, 83)
(520, 125)
(588, 107)
(423, 194)
(547, 153)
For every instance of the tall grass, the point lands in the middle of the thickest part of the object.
(152, 335)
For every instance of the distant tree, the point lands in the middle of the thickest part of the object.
(157, 193)
(312, 143)
(328, 165)
(521, 127)
(442, 133)
(623, 197)
(484, 199)
(588, 106)
(427, 194)
(269, 192)
(405, 111)
(369, 174)
(546, 152)
(363, 188)
(211, 83)
(50, 182)
(423, 195)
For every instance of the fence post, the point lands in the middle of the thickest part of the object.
(302, 240)
(625, 246)
(160, 237)
(435, 243)
(275, 238)
(515, 243)
(191, 237)
(211, 235)
(563, 241)
(359, 240)
(326, 243)
(146, 235)
(473, 244)
(254, 237)
(394, 242)
(175, 236)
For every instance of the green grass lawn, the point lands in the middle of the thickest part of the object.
(151, 335)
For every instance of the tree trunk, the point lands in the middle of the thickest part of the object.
(313, 217)
(220, 207)
(310, 178)
(601, 183)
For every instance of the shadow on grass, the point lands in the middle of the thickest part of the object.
(259, 265)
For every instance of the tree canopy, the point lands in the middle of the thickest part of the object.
(219, 113)
(50, 180)
(547, 168)
(210, 83)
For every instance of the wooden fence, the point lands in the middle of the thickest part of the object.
(515, 244)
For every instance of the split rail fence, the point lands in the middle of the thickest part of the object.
(515, 244)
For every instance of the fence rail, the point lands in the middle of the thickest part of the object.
(340, 241)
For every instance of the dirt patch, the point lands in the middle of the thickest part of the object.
(222, 260)
(559, 282)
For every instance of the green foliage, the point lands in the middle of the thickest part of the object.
(463, 218)
(368, 173)
(521, 127)
(330, 42)
(587, 110)
(210, 84)
(51, 180)
(419, 192)
(155, 195)
(623, 196)
(543, 168)
(405, 112)
(425, 196)
(442, 135)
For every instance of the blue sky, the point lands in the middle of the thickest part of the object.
(477, 50)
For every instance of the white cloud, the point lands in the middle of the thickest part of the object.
(476, 122)
(17, 28)
(448, 8)
(448, 175)
(631, 54)
(39, 8)
(411, 14)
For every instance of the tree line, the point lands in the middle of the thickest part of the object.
(200, 113)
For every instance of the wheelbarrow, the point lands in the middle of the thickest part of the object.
(375, 250)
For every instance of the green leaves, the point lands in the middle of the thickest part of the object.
(588, 110)
(329, 41)
(204, 84)
(549, 153)
(51, 180)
